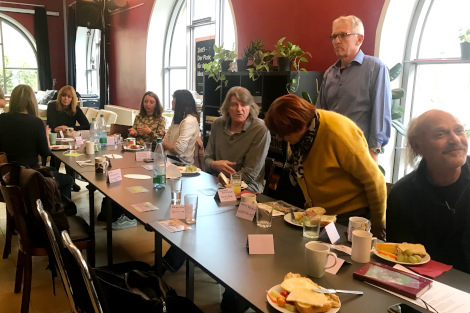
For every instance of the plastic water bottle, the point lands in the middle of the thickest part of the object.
(159, 166)
(94, 133)
(102, 132)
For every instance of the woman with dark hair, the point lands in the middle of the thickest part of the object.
(150, 123)
(330, 160)
(30, 137)
(180, 140)
(65, 112)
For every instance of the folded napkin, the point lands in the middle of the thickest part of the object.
(431, 269)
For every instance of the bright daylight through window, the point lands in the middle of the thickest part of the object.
(19, 63)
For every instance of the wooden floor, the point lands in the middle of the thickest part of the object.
(128, 244)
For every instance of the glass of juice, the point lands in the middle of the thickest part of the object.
(236, 182)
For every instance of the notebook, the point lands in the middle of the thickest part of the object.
(387, 277)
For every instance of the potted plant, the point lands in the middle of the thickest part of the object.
(220, 64)
(464, 37)
(248, 54)
(261, 61)
(289, 54)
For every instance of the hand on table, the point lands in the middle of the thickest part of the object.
(224, 166)
(378, 232)
(60, 128)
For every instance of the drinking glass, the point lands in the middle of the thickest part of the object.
(311, 226)
(236, 182)
(190, 208)
(175, 184)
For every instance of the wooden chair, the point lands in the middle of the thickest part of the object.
(119, 129)
(268, 173)
(10, 225)
(26, 221)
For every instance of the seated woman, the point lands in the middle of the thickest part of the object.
(23, 135)
(150, 123)
(64, 113)
(180, 140)
(330, 161)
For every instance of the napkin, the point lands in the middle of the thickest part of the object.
(431, 269)
(172, 171)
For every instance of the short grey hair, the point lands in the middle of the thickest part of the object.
(357, 26)
(412, 135)
(243, 95)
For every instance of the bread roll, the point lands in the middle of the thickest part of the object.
(327, 219)
(317, 210)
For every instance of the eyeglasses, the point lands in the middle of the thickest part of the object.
(342, 35)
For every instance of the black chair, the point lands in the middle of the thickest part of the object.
(74, 286)
(10, 225)
(268, 173)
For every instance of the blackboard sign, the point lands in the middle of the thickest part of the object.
(204, 55)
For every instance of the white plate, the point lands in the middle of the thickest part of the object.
(137, 176)
(288, 219)
(129, 149)
(278, 289)
(424, 259)
(65, 139)
(59, 147)
(183, 172)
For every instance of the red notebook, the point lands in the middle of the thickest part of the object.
(387, 277)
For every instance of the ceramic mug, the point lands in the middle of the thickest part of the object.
(316, 258)
(357, 222)
(69, 132)
(101, 165)
(361, 245)
(248, 198)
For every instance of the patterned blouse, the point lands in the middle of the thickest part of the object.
(156, 124)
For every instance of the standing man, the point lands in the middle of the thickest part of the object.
(358, 85)
(431, 205)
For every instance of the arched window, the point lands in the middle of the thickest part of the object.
(190, 22)
(434, 75)
(18, 54)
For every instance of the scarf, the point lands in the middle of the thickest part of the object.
(301, 150)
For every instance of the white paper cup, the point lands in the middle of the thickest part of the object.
(359, 223)
(89, 147)
(248, 198)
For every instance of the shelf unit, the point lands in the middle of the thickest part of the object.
(268, 87)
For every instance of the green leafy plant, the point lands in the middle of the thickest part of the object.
(291, 51)
(214, 68)
(253, 47)
(261, 62)
(464, 35)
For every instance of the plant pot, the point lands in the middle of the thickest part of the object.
(242, 65)
(465, 50)
(225, 65)
(283, 64)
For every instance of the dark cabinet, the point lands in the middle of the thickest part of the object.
(265, 90)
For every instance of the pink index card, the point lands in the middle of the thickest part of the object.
(141, 155)
(78, 140)
(114, 175)
(333, 270)
(226, 195)
(177, 211)
(261, 244)
(332, 232)
(246, 211)
(61, 133)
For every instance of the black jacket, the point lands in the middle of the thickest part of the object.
(437, 217)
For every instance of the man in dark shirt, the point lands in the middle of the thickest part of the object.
(431, 205)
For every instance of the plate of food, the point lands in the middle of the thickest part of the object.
(133, 148)
(402, 253)
(65, 139)
(189, 170)
(295, 294)
(60, 147)
(224, 182)
(325, 219)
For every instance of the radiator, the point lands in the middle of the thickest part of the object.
(126, 116)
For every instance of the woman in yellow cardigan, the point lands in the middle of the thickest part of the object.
(330, 160)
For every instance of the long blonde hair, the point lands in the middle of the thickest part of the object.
(67, 91)
(23, 98)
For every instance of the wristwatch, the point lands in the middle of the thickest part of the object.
(376, 150)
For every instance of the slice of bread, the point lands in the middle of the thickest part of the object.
(327, 219)
(387, 247)
(416, 248)
(307, 296)
(290, 284)
(223, 180)
(317, 210)
(305, 308)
